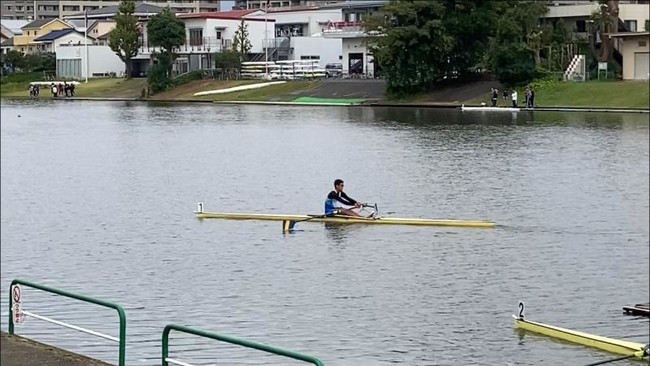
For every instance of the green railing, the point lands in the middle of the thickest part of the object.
(228, 339)
(120, 313)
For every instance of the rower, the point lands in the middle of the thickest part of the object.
(338, 196)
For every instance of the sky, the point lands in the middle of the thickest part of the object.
(227, 4)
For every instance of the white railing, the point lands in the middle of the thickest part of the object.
(202, 45)
(341, 27)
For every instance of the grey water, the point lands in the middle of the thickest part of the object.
(98, 199)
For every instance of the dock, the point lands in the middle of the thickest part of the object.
(638, 309)
(19, 351)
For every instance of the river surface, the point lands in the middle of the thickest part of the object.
(98, 199)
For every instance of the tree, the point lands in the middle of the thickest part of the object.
(123, 39)
(604, 20)
(470, 23)
(515, 49)
(411, 44)
(167, 32)
(513, 63)
(240, 42)
(14, 59)
(157, 78)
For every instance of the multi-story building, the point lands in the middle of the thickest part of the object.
(261, 4)
(50, 9)
(25, 42)
(8, 30)
(356, 58)
(631, 40)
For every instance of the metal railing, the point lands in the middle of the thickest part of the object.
(228, 339)
(193, 45)
(120, 312)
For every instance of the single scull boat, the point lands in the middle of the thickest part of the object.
(490, 109)
(342, 219)
(621, 347)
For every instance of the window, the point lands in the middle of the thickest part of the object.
(196, 37)
(630, 25)
(581, 26)
(310, 57)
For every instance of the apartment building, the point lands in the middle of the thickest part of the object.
(50, 9)
(261, 4)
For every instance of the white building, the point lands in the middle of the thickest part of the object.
(298, 34)
(575, 15)
(71, 62)
(207, 33)
(631, 41)
(356, 58)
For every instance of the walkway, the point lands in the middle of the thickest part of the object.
(19, 351)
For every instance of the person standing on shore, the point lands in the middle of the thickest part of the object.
(495, 96)
(527, 97)
(514, 98)
(532, 98)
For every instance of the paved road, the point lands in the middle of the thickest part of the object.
(19, 351)
(374, 89)
(348, 88)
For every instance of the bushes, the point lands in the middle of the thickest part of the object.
(25, 77)
(157, 78)
(187, 77)
(513, 64)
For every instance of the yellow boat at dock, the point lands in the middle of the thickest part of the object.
(617, 346)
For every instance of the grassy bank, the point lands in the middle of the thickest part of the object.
(95, 88)
(605, 94)
(273, 93)
(602, 94)
(133, 88)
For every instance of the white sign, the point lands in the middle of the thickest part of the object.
(15, 307)
(602, 66)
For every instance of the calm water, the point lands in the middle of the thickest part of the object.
(97, 198)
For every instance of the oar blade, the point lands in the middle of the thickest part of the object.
(287, 226)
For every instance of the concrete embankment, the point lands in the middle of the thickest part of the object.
(20, 351)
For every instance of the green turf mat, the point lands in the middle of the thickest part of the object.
(328, 100)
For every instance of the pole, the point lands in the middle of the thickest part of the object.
(34, 9)
(86, 43)
(266, 36)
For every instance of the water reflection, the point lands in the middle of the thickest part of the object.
(336, 232)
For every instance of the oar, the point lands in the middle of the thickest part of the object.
(612, 360)
(287, 225)
(640, 354)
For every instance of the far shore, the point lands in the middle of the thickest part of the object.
(604, 96)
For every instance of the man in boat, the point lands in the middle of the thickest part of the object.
(338, 196)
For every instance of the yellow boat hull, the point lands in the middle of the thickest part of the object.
(604, 343)
(345, 219)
